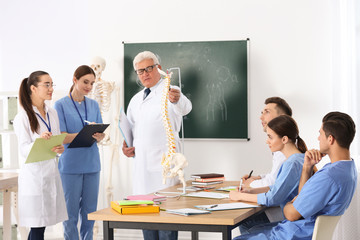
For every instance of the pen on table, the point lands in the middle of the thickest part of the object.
(212, 206)
(240, 185)
(250, 173)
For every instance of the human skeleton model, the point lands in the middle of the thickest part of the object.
(102, 89)
(172, 162)
(102, 94)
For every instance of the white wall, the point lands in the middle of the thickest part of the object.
(42, 35)
(290, 56)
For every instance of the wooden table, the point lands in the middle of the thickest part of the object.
(217, 221)
(8, 182)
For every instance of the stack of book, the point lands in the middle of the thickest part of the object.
(208, 178)
(155, 199)
(134, 206)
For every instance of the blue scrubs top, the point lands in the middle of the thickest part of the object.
(328, 192)
(78, 160)
(286, 184)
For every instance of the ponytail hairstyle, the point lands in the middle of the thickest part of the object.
(25, 97)
(80, 72)
(285, 125)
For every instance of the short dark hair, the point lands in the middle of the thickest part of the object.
(281, 105)
(341, 126)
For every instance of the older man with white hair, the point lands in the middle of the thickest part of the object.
(150, 142)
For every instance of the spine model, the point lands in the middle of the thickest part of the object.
(171, 146)
(173, 163)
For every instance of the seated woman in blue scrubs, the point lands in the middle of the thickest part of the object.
(283, 135)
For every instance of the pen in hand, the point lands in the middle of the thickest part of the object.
(250, 173)
(241, 183)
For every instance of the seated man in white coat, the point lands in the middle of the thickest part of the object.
(274, 107)
(150, 142)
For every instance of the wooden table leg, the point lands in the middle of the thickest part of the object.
(7, 215)
(108, 232)
(194, 235)
(226, 234)
(22, 230)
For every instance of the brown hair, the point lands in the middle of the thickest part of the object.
(82, 71)
(285, 125)
(25, 97)
(341, 127)
(281, 105)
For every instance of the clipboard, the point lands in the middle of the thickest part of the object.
(84, 137)
(125, 128)
(41, 149)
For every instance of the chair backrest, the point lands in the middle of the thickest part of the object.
(324, 227)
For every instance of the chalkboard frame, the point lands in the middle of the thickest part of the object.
(129, 76)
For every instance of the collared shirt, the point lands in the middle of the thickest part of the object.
(78, 160)
(286, 184)
(328, 192)
(269, 178)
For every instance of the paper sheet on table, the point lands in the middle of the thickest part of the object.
(125, 128)
(41, 149)
(208, 195)
(187, 211)
(227, 206)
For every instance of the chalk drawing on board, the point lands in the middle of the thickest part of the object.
(216, 106)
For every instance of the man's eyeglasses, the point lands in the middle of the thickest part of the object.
(148, 69)
(47, 85)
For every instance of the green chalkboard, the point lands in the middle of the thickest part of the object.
(213, 76)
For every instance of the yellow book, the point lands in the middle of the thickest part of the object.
(132, 209)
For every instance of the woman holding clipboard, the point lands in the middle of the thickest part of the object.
(79, 167)
(41, 197)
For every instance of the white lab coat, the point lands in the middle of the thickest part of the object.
(269, 178)
(41, 199)
(150, 139)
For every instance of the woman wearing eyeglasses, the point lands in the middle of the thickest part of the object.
(79, 167)
(41, 198)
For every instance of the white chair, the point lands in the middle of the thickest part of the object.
(324, 227)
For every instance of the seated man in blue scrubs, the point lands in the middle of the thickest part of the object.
(328, 192)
